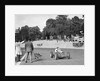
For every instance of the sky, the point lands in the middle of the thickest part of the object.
(36, 19)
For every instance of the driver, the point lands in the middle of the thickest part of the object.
(58, 50)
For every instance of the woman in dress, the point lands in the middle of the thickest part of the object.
(18, 51)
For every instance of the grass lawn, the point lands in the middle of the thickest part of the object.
(77, 57)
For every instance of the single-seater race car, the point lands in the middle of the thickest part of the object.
(58, 55)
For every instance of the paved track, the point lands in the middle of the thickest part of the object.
(77, 57)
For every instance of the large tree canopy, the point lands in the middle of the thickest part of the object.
(32, 33)
(60, 26)
(63, 26)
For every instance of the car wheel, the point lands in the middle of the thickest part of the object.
(68, 55)
(56, 56)
(51, 55)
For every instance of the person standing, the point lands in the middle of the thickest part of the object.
(18, 51)
(29, 49)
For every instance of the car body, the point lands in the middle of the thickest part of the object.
(58, 55)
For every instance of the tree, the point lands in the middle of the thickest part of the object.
(51, 23)
(63, 26)
(17, 35)
(61, 19)
(24, 32)
(57, 26)
(46, 32)
(34, 33)
(76, 25)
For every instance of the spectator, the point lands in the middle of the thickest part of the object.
(29, 49)
(18, 51)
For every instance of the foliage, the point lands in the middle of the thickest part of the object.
(32, 33)
(63, 26)
(60, 26)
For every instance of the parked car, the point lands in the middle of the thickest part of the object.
(78, 42)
